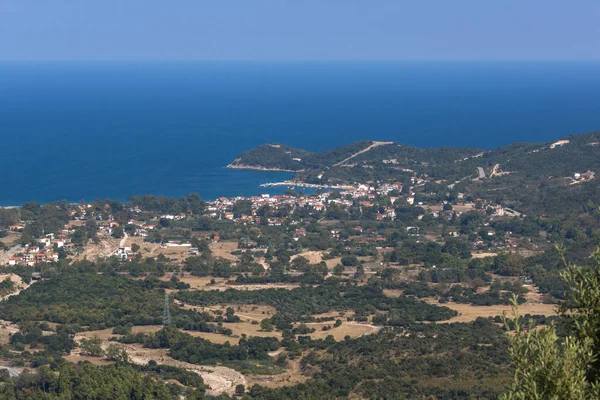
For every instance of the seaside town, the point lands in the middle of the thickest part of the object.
(249, 295)
(376, 202)
(239, 296)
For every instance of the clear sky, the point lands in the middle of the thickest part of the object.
(299, 29)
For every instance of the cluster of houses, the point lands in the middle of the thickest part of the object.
(43, 252)
(221, 208)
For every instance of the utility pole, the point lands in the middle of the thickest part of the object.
(166, 312)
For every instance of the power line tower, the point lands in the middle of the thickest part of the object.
(166, 312)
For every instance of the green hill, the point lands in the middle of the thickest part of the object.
(370, 160)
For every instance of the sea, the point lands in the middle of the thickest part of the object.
(86, 130)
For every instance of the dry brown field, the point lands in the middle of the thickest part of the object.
(224, 249)
(469, 313)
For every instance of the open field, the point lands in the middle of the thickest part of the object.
(469, 313)
(483, 254)
(203, 283)
(224, 249)
(352, 329)
(313, 257)
(247, 312)
(455, 207)
(331, 263)
(11, 238)
(154, 249)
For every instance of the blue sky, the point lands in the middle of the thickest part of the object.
(299, 29)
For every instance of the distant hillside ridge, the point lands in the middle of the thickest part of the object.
(279, 157)
(369, 160)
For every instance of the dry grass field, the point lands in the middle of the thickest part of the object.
(313, 257)
(11, 239)
(203, 283)
(469, 313)
(352, 329)
(483, 254)
(224, 249)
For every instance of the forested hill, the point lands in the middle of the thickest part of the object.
(281, 157)
(370, 160)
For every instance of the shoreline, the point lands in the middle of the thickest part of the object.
(307, 185)
(256, 168)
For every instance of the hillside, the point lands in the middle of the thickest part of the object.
(284, 158)
(369, 160)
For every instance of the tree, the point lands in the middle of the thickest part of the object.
(350, 261)
(550, 367)
(240, 390)
(338, 270)
(266, 325)
(117, 353)
(135, 247)
(92, 346)
(118, 232)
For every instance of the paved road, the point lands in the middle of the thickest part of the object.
(11, 372)
(4, 257)
(481, 173)
(513, 212)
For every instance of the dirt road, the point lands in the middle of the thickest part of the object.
(372, 146)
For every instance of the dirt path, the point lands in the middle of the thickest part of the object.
(372, 146)
(123, 240)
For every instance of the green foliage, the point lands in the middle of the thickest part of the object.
(195, 350)
(445, 361)
(190, 203)
(551, 367)
(299, 303)
(98, 301)
(8, 217)
(86, 381)
(92, 347)
(282, 157)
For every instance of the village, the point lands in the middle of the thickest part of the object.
(378, 202)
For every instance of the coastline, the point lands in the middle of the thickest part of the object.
(307, 185)
(256, 168)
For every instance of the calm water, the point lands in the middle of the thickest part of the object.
(82, 131)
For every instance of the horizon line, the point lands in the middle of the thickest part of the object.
(349, 60)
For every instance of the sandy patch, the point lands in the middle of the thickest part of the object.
(313, 257)
(483, 255)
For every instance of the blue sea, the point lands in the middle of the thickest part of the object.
(78, 130)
